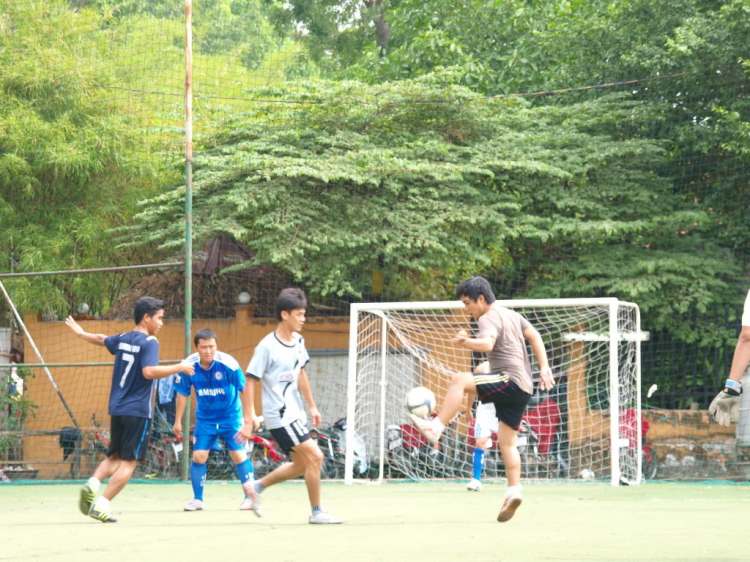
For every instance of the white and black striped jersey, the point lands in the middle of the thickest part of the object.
(278, 365)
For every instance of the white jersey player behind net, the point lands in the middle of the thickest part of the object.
(279, 361)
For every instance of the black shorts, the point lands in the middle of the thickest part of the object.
(509, 400)
(289, 436)
(130, 437)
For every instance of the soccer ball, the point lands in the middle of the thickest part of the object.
(420, 401)
(587, 474)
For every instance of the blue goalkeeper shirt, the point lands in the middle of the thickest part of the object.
(217, 389)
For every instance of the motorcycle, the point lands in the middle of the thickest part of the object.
(332, 442)
(263, 454)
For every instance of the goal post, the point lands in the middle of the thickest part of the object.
(588, 426)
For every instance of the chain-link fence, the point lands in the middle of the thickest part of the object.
(358, 182)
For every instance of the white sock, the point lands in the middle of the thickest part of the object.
(101, 504)
(513, 490)
(438, 426)
(94, 484)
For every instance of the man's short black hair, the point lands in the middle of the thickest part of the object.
(205, 334)
(474, 287)
(147, 305)
(290, 299)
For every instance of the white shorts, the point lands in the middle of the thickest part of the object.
(485, 422)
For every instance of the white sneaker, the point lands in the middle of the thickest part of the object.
(246, 504)
(474, 485)
(101, 515)
(86, 500)
(252, 499)
(194, 505)
(324, 518)
(425, 428)
(511, 504)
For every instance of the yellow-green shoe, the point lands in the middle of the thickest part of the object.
(86, 500)
(103, 516)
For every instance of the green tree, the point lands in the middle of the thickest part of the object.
(396, 178)
(72, 160)
(508, 46)
(248, 29)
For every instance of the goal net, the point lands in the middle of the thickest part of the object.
(587, 427)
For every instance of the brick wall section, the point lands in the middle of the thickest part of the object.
(691, 446)
(86, 389)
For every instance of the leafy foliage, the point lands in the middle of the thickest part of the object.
(395, 178)
(240, 27)
(524, 45)
(70, 163)
(501, 47)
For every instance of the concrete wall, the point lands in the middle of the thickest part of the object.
(691, 446)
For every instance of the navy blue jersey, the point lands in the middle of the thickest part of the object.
(217, 388)
(131, 394)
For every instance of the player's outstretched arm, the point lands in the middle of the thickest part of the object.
(546, 380)
(161, 371)
(96, 339)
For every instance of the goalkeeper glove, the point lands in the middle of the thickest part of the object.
(725, 408)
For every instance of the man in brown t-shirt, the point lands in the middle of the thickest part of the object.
(502, 335)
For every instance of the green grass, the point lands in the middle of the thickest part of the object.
(434, 522)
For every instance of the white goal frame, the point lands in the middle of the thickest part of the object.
(613, 337)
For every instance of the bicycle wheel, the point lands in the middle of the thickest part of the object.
(148, 468)
(649, 463)
(529, 461)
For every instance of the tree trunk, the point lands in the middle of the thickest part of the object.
(378, 8)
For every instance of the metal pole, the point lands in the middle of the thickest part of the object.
(383, 383)
(188, 216)
(638, 407)
(614, 395)
(39, 355)
(94, 270)
(351, 396)
(45, 365)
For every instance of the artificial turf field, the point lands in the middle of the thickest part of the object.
(398, 521)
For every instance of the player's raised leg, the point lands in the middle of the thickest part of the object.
(433, 429)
